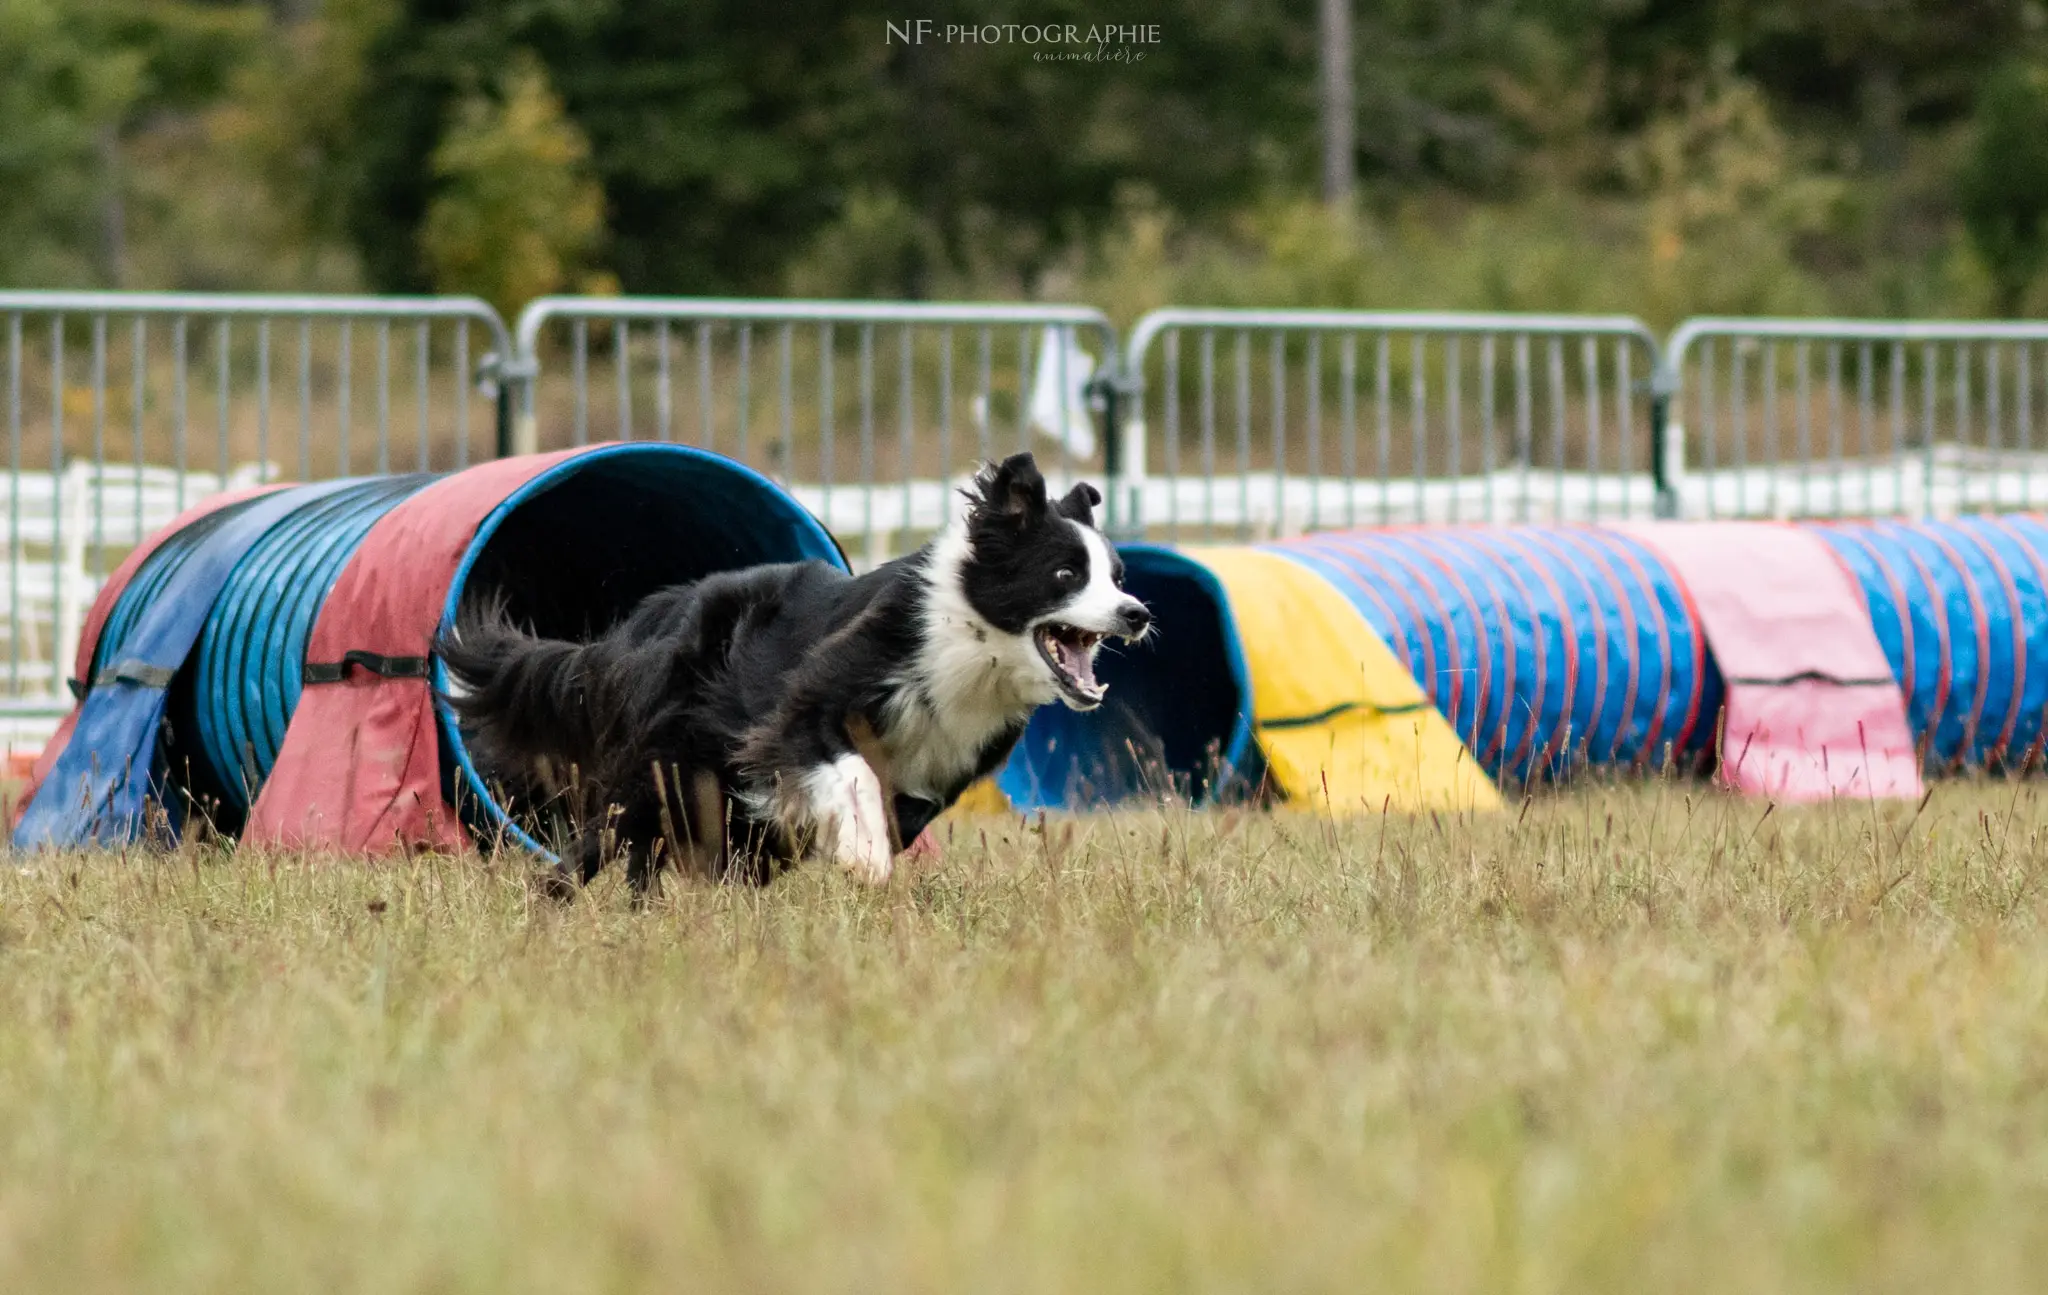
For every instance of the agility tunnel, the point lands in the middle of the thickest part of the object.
(1798, 661)
(1260, 676)
(1442, 661)
(266, 659)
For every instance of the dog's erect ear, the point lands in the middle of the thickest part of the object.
(1013, 488)
(1079, 503)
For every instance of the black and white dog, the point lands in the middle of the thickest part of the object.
(755, 716)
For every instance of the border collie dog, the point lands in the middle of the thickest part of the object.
(740, 722)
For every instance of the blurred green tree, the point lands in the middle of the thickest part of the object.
(293, 113)
(728, 134)
(75, 78)
(517, 214)
(776, 145)
(719, 130)
(59, 97)
(2003, 188)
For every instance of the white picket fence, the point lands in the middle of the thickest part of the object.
(61, 537)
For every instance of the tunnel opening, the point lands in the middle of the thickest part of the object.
(575, 549)
(1174, 725)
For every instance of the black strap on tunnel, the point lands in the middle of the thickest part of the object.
(132, 671)
(1815, 676)
(389, 667)
(1323, 716)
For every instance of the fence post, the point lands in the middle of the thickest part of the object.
(1667, 444)
(502, 442)
(514, 375)
(1123, 444)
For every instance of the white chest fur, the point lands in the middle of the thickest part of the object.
(968, 683)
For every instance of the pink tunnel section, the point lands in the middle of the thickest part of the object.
(1812, 709)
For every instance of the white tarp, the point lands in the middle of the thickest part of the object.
(1058, 349)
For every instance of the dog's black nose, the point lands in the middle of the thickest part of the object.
(1135, 619)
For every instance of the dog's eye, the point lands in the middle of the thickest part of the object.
(1066, 575)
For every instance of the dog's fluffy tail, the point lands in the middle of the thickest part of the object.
(520, 698)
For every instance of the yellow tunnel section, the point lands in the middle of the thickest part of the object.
(1260, 675)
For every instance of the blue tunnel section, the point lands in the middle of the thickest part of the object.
(1550, 649)
(248, 666)
(227, 707)
(1961, 609)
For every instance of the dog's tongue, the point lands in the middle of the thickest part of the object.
(1080, 664)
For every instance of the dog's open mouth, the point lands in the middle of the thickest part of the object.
(1071, 654)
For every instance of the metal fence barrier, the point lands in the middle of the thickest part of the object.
(1345, 418)
(873, 413)
(1862, 418)
(123, 409)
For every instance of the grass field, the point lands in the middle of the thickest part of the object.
(1620, 1039)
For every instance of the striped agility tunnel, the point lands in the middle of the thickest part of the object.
(1797, 661)
(266, 659)
(268, 655)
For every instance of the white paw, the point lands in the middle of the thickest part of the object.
(852, 823)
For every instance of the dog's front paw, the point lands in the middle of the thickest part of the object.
(867, 862)
(853, 821)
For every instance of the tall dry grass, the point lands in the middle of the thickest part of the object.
(1620, 1039)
